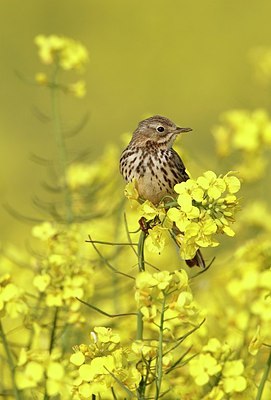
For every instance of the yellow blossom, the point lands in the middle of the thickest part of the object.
(78, 89)
(12, 299)
(131, 193)
(148, 210)
(157, 239)
(31, 376)
(66, 52)
(203, 367)
(41, 78)
(44, 231)
(233, 381)
(78, 358)
(42, 282)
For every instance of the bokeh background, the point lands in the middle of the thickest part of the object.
(185, 60)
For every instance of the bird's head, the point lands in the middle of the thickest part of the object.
(157, 129)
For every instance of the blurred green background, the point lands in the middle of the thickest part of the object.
(185, 60)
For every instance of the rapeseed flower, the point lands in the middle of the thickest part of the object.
(67, 53)
(101, 364)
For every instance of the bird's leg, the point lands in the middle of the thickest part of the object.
(146, 225)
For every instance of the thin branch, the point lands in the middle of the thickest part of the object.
(109, 243)
(128, 233)
(103, 312)
(75, 130)
(131, 394)
(173, 366)
(109, 265)
(21, 217)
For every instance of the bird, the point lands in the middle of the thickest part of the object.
(150, 159)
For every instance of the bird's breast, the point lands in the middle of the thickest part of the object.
(154, 172)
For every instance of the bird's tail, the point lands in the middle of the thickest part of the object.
(196, 260)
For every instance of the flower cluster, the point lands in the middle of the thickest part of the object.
(252, 282)
(166, 293)
(248, 133)
(12, 298)
(215, 366)
(64, 272)
(103, 365)
(35, 366)
(64, 53)
(67, 53)
(206, 206)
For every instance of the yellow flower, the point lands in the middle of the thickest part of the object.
(44, 231)
(31, 376)
(55, 374)
(215, 186)
(12, 302)
(48, 46)
(179, 217)
(232, 182)
(42, 282)
(102, 365)
(105, 335)
(67, 53)
(148, 210)
(203, 367)
(78, 358)
(130, 190)
(157, 239)
(41, 78)
(233, 381)
(73, 56)
(78, 89)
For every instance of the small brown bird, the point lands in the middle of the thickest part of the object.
(151, 160)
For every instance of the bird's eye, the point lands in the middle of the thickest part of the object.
(160, 129)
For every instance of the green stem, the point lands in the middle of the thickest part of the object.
(141, 260)
(53, 331)
(141, 267)
(140, 325)
(61, 146)
(52, 342)
(16, 392)
(159, 361)
(264, 377)
(139, 332)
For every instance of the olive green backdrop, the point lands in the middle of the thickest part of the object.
(187, 60)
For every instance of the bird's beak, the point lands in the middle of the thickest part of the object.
(182, 130)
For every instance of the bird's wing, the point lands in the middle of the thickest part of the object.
(180, 166)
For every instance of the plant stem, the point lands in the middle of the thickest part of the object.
(141, 260)
(140, 325)
(159, 361)
(16, 392)
(61, 146)
(52, 341)
(141, 267)
(53, 331)
(264, 377)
